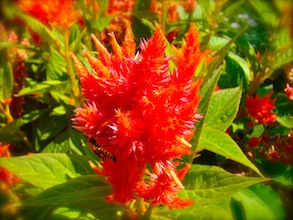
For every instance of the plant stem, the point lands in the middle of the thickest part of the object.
(70, 72)
(4, 108)
(164, 15)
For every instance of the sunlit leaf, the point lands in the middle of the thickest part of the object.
(46, 170)
(223, 108)
(206, 92)
(85, 192)
(208, 184)
(260, 202)
(221, 143)
(217, 211)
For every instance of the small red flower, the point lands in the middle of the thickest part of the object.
(289, 91)
(260, 109)
(6, 177)
(254, 141)
(141, 112)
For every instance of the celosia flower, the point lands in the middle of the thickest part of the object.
(141, 112)
(59, 13)
(289, 91)
(260, 109)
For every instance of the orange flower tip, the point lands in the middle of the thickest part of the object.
(94, 167)
(6, 101)
(97, 43)
(79, 128)
(183, 141)
(75, 58)
(174, 176)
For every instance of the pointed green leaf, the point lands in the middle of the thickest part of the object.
(56, 67)
(46, 170)
(243, 64)
(221, 143)
(101, 23)
(206, 92)
(223, 108)
(207, 184)
(85, 192)
(42, 87)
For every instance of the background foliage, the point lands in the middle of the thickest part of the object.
(250, 44)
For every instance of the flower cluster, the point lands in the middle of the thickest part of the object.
(276, 148)
(260, 109)
(51, 12)
(141, 112)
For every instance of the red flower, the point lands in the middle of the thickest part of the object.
(261, 108)
(254, 141)
(289, 91)
(51, 12)
(140, 112)
(6, 177)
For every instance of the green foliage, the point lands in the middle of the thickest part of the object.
(6, 78)
(47, 169)
(259, 202)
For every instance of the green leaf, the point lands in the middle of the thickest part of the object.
(42, 87)
(217, 211)
(206, 92)
(266, 11)
(6, 77)
(243, 64)
(258, 130)
(47, 170)
(216, 43)
(69, 212)
(223, 108)
(279, 172)
(221, 54)
(249, 52)
(101, 23)
(207, 184)
(260, 202)
(60, 144)
(85, 192)
(77, 40)
(56, 67)
(49, 126)
(77, 141)
(8, 133)
(284, 108)
(222, 144)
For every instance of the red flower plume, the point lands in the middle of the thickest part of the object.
(140, 112)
